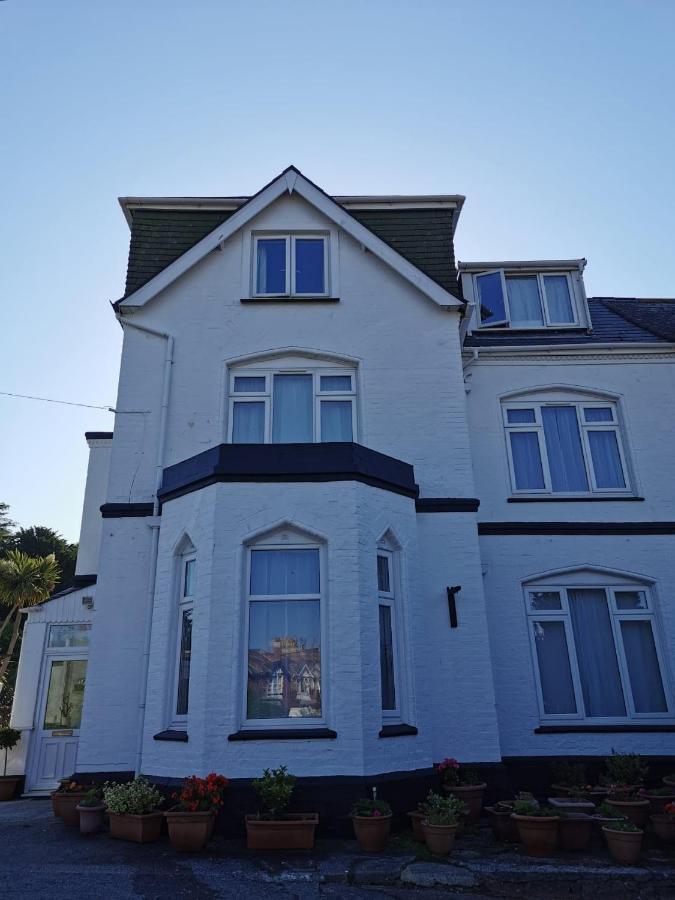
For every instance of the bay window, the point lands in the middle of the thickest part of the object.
(596, 653)
(290, 265)
(184, 639)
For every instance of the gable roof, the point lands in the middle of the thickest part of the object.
(415, 242)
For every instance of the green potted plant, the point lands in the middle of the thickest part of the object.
(9, 738)
(537, 827)
(464, 783)
(276, 829)
(657, 797)
(624, 842)
(132, 810)
(65, 800)
(623, 771)
(91, 810)
(191, 820)
(441, 818)
(664, 824)
(630, 804)
(372, 823)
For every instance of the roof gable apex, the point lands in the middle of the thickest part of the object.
(290, 181)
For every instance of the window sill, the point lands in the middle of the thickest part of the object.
(398, 730)
(171, 735)
(631, 727)
(289, 300)
(282, 734)
(591, 498)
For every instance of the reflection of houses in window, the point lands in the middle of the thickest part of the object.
(285, 681)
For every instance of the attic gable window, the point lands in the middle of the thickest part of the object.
(290, 265)
(525, 300)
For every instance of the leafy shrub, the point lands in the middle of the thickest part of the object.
(9, 737)
(202, 794)
(624, 769)
(607, 811)
(93, 797)
(624, 826)
(569, 774)
(442, 810)
(526, 807)
(372, 808)
(137, 797)
(275, 789)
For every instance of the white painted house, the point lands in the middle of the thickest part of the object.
(361, 510)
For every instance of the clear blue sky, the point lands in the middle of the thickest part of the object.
(555, 119)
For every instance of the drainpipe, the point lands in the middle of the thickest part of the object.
(152, 573)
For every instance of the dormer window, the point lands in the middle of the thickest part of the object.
(290, 265)
(525, 299)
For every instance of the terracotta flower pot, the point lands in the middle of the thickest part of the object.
(372, 832)
(189, 832)
(636, 811)
(657, 801)
(65, 806)
(416, 824)
(624, 846)
(669, 780)
(440, 839)
(472, 795)
(575, 832)
(571, 805)
(8, 785)
(291, 832)
(91, 818)
(538, 833)
(140, 829)
(503, 826)
(664, 828)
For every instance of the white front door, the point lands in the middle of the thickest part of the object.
(59, 710)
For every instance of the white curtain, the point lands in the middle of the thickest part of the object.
(558, 299)
(285, 571)
(596, 653)
(643, 666)
(336, 420)
(606, 459)
(293, 420)
(526, 460)
(248, 425)
(524, 301)
(271, 266)
(554, 667)
(563, 445)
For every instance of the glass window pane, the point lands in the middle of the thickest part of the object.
(284, 660)
(292, 413)
(309, 259)
(271, 266)
(248, 423)
(184, 663)
(598, 414)
(630, 599)
(606, 459)
(69, 635)
(383, 574)
(596, 653)
(491, 299)
(555, 674)
(249, 384)
(524, 301)
(558, 299)
(65, 694)
(643, 666)
(336, 420)
(285, 571)
(540, 600)
(563, 445)
(527, 467)
(335, 383)
(387, 659)
(189, 582)
(520, 416)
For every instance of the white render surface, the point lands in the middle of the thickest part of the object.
(94, 496)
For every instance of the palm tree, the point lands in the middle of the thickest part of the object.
(24, 581)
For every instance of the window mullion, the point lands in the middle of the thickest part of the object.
(626, 686)
(543, 452)
(290, 265)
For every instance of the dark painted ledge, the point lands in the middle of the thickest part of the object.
(398, 730)
(283, 734)
(604, 729)
(607, 529)
(98, 435)
(289, 300)
(623, 499)
(126, 510)
(446, 504)
(171, 735)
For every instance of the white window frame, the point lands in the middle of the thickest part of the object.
(540, 276)
(390, 599)
(185, 603)
(266, 396)
(537, 427)
(290, 238)
(288, 722)
(616, 617)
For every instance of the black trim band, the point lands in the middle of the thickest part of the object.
(283, 734)
(595, 528)
(398, 730)
(289, 300)
(446, 504)
(171, 735)
(240, 463)
(98, 435)
(126, 510)
(630, 499)
(603, 729)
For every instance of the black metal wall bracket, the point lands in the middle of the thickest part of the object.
(452, 604)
